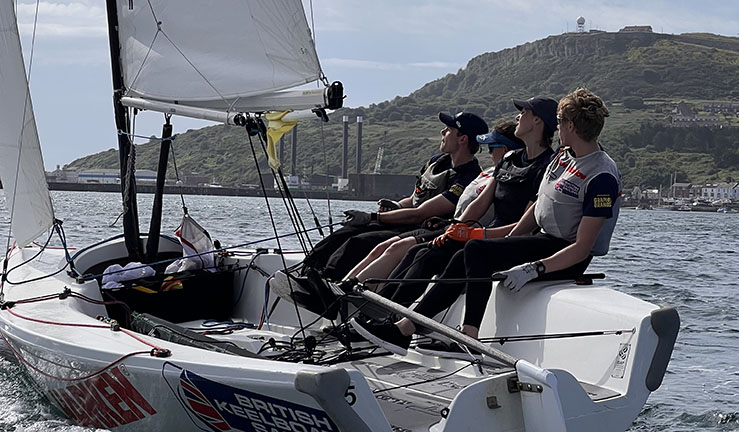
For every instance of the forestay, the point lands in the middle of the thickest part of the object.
(213, 54)
(21, 163)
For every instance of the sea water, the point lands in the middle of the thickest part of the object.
(689, 260)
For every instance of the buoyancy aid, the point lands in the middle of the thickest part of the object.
(517, 183)
(434, 180)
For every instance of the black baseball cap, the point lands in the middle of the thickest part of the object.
(544, 108)
(466, 123)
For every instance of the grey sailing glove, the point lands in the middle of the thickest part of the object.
(516, 277)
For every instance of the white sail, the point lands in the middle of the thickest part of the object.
(214, 54)
(21, 163)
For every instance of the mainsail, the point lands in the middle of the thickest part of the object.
(220, 55)
(21, 164)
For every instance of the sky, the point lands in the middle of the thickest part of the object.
(379, 49)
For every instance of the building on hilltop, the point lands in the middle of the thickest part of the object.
(683, 115)
(721, 108)
(633, 29)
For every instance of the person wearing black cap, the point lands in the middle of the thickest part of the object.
(572, 220)
(442, 181)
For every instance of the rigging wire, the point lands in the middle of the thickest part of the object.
(289, 201)
(291, 208)
(328, 194)
(272, 221)
(151, 138)
(177, 176)
(375, 391)
(174, 45)
(166, 261)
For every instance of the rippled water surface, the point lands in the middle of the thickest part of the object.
(689, 260)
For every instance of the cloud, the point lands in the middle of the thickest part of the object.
(385, 66)
(65, 20)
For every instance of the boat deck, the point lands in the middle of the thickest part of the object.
(412, 391)
(413, 396)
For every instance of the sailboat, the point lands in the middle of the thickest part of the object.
(141, 354)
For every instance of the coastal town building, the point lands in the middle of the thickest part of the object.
(720, 191)
(108, 176)
(680, 190)
(63, 175)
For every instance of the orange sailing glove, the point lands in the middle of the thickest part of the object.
(459, 232)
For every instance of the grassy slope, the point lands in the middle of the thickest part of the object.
(660, 69)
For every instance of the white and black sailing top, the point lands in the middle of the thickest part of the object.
(574, 187)
(471, 192)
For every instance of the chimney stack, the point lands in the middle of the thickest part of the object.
(345, 153)
(359, 144)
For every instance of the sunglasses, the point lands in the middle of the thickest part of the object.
(494, 146)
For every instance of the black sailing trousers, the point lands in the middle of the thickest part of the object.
(482, 258)
(338, 253)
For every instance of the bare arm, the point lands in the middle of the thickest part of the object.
(587, 233)
(479, 206)
(406, 202)
(526, 224)
(436, 206)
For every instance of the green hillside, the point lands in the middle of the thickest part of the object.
(641, 76)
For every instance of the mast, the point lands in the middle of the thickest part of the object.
(128, 183)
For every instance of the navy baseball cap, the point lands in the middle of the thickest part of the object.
(466, 123)
(544, 108)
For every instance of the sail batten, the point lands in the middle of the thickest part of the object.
(192, 53)
(21, 163)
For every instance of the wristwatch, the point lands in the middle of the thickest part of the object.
(540, 268)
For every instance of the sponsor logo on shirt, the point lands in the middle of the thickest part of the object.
(602, 201)
(567, 188)
(572, 170)
(456, 189)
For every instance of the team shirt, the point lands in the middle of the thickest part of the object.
(574, 187)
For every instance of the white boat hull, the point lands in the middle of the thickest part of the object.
(110, 379)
